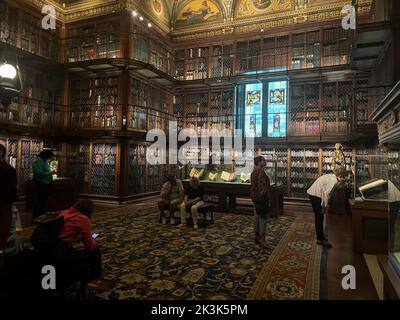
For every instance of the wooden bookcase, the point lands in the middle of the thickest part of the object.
(21, 153)
(95, 102)
(93, 41)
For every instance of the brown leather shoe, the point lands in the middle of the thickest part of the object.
(261, 242)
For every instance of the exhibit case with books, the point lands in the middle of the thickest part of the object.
(371, 177)
(394, 209)
(369, 208)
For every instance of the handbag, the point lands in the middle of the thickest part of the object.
(262, 205)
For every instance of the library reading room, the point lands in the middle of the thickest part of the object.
(200, 149)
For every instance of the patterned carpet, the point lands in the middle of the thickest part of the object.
(143, 259)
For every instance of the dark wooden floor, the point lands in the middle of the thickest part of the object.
(340, 236)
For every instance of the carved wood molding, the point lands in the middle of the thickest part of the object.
(326, 12)
(387, 116)
(89, 9)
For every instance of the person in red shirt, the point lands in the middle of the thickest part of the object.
(83, 265)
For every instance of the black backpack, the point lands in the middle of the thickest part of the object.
(45, 236)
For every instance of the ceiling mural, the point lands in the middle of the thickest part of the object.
(158, 10)
(250, 8)
(190, 19)
(198, 11)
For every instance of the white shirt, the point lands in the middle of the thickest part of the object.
(394, 193)
(322, 188)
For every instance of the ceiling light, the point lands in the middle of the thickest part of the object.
(262, 30)
(141, 18)
(134, 13)
(8, 71)
(149, 25)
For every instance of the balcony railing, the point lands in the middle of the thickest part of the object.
(93, 116)
(366, 101)
(32, 113)
(315, 122)
(90, 46)
(138, 118)
(288, 124)
(144, 119)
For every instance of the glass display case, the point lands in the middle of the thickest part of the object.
(271, 172)
(371, 177)
(394, 209)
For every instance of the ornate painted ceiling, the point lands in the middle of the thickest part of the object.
(184, 19)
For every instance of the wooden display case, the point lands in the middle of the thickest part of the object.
(370, 226)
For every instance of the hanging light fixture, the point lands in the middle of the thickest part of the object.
(8, 71)
(10, 82)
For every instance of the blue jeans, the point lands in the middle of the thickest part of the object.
(260, 221)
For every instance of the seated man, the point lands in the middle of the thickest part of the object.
(172, 194)
(193, 200)
(83, 265)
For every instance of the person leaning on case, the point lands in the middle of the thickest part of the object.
(319, 194)
(260, 189)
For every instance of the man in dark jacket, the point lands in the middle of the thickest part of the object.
(8, 195)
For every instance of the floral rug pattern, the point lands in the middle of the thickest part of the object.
(143, 259)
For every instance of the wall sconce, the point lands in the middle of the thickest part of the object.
(10, 83)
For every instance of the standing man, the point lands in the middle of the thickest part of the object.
(319, 194)
(260, 189)
(8, 195)
(43, 182)
(172, 194)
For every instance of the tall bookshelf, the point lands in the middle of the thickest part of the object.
(30, 150)
(312, 100)
(304, 170)
(79, 166)
(12, 154)
(278, 156)
(94, 102)
(180, 65)
(221, 110)
(298, 51)
(196, 63)
(221, 61)
(30, 33)
(138, 113)
(178, 110)
(9, 24)
(93, 41)
(394, 167)
(137, 169)
(103, 169)
(248, 55)
(196, 111)
(361, 102)
(297, 105)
